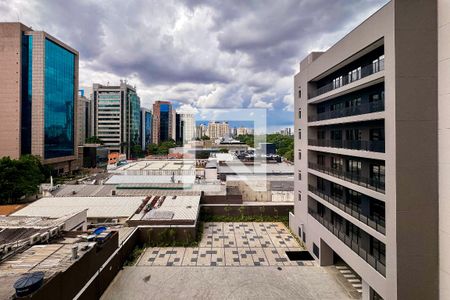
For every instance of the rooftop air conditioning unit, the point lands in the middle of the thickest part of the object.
(35, 238)
(113, 192)
(54, 231)
(45, 237)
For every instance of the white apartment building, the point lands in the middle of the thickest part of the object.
(218, 130)
(366, 148)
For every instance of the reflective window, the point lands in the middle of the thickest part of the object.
(59, 101)
(27, 73)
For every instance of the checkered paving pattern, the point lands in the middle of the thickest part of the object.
(231, 244)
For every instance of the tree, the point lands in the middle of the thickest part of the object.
(136, 151)
(93, 140)
(223, 150)
(152, 149)
(205, 138)
(162, 148)
(20, 177)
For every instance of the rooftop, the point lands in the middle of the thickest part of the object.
(98, 207)
(170, 208)
(261, 168)
(9, 209)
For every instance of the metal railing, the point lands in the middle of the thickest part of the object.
(374, 146)
(361, 109)
(370, 183)
(376, 223)
(347, 78)
(352, 244)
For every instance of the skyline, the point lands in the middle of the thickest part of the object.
(197, 53)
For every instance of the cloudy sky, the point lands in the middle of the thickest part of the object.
(205, 54)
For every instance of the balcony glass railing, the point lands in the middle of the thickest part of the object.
(348, 78)
(352, 244)
(370, 183)
(376, 223)
(374, 146)
(361, 109)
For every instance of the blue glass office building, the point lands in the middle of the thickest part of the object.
(39, 105)
(59, 101)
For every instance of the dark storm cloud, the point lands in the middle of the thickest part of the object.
(205, 52)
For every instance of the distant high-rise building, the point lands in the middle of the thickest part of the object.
(218, 129)
(117, 116)
(286, 131)
(39, 96)
(163, 122)
(188, 126)
(243, 131)
(84, 118)
(179, 129)
(146, 127)
(201, 130)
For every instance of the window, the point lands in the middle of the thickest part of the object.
(321, 184)
(354, 75)
(321, 160)
(377, 134)
(321, 134)
(377, 174)
(299, 231)
(299, 175)
(337, 106)
(378, 250)
(353, 134)
(304, 237)
(299, 113)
(353, 102)
(337, 191)
(316, 250)
(299, 196)
(299, 93)
(299, 155)
(338, 82)
(353, 200)
(378, 64)
(336, 135)
(354, 167)
(337, 163)
(299, 134)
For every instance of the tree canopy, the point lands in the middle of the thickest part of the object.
(21, 177)
(94, 140)
(283, 143)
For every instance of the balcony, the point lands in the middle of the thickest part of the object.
(374, 146)
(373, 222)
(371, 260)
(370, 183)
(365, 108)
(348, 78)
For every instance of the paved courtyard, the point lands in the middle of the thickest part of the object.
(233, 261)
(231, 244)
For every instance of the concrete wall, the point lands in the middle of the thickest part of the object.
(10, 88)
(444, 146)
(416, 211)
(247, 210)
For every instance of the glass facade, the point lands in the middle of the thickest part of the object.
(59, 101)
(109, 118)
(27, 79)
(148, 128)
(134, 115)
(164, 110)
